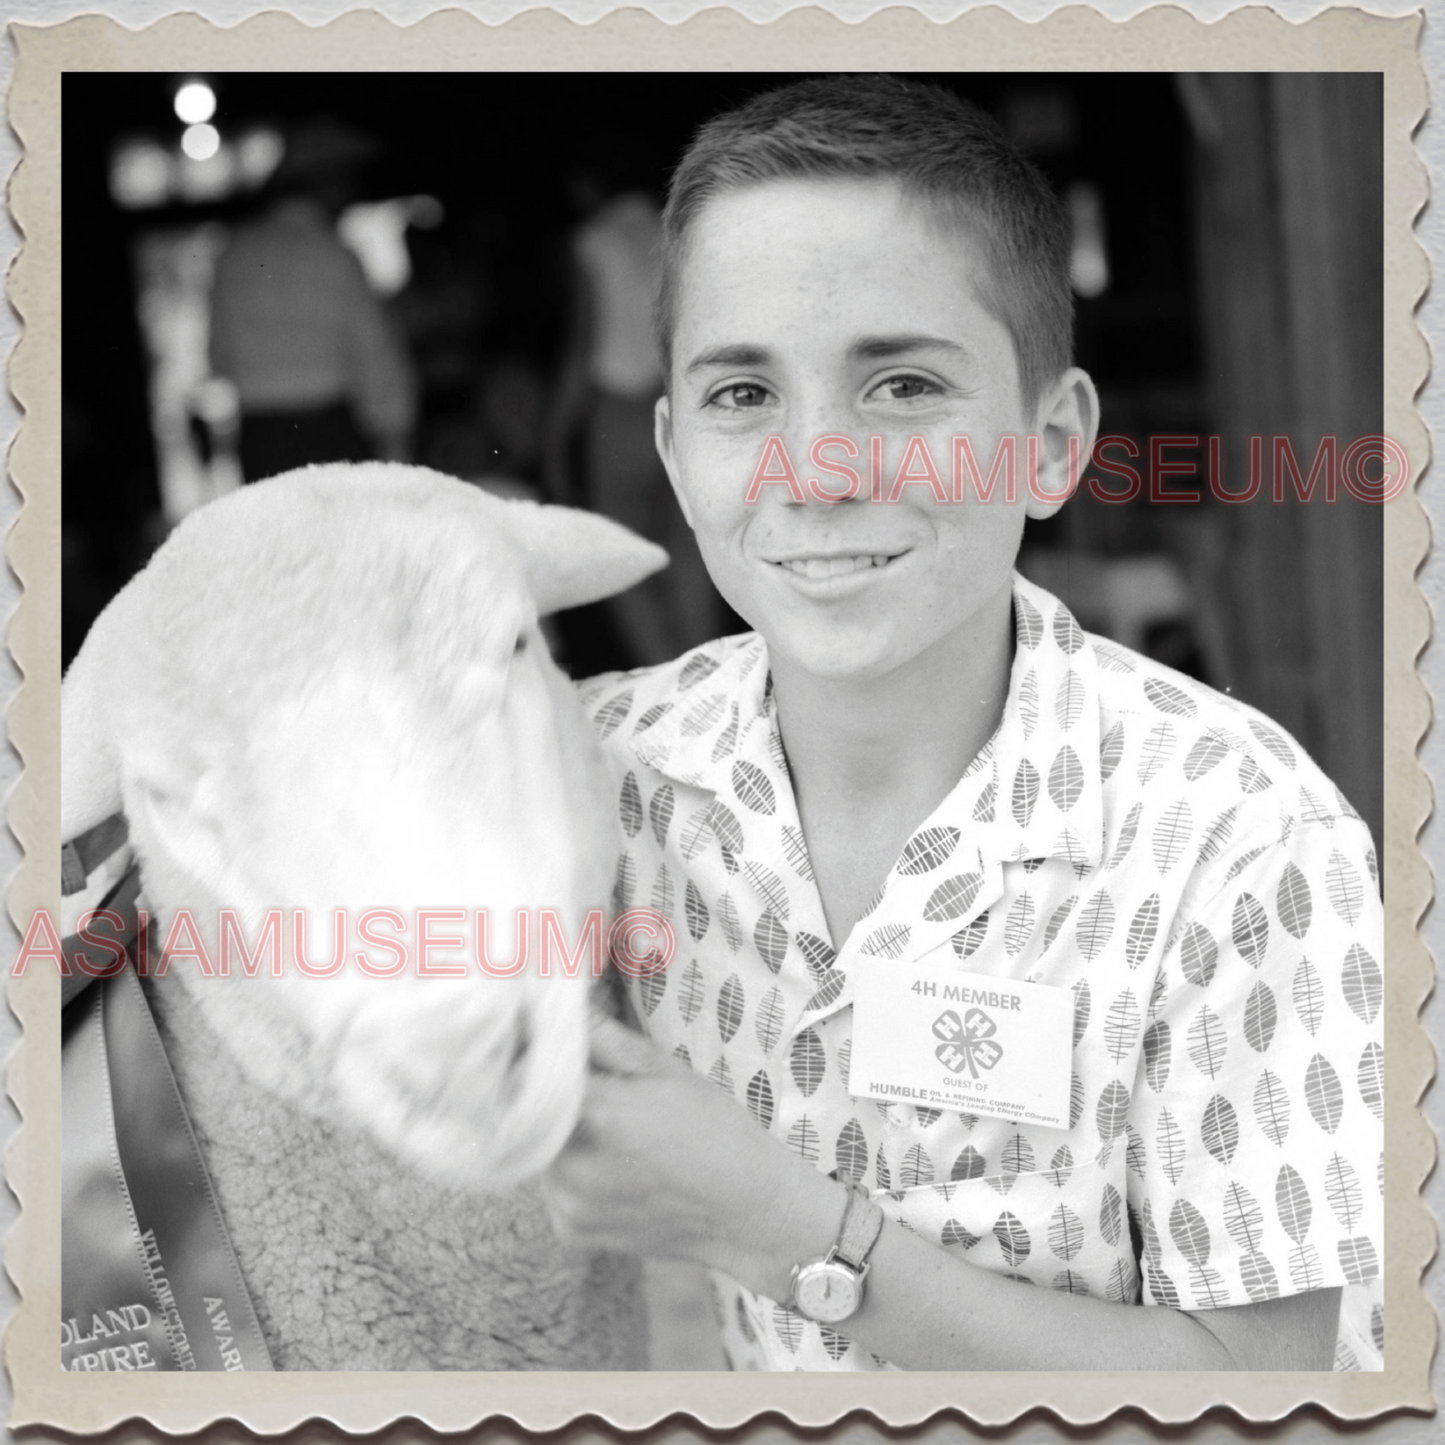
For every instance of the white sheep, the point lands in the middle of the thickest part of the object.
(329, 691)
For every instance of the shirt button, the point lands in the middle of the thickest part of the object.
(902, 1116)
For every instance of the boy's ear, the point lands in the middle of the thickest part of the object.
(1068, 423)
(662, 439)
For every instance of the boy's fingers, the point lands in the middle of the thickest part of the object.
(616, 1049)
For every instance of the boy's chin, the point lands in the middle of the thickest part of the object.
(833, 654)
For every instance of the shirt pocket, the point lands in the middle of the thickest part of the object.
(1064, 1229)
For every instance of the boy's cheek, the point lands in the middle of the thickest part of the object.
(716, 494)
(720, 465)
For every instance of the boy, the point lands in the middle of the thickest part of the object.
(919, 771)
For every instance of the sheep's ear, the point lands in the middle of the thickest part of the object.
(573, 557)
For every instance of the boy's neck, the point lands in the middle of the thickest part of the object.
(926, 719)
(870, 760)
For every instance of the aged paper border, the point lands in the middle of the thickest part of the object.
(991, 39)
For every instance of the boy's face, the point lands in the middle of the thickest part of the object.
(838, 307)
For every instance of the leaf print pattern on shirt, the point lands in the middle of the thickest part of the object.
(1371, 1079)
(952, 898)
(1111, 749)
(1220, 1130)
(1096, 925)
(1025, 792)
(769, 1021)
(1293, 902)
(1171, 835)
(1127, 834)
(808, 1062)
(1207, 752)
(1158, 746)
(1324, 1094)
(1260, 1016)
(703, 715)
(1207, 1042)
(928, 849)
(1249, 928)
(1170, 858)
(1309, 997)
(1363, 984)
(1142, 929)
(1271, 1108)
(1156, 1055)
(1121, 1026)
(1198, 955)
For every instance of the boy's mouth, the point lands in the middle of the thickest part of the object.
(816, 568)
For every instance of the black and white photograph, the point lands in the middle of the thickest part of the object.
(722, 721)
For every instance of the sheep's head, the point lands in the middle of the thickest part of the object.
(327, 698)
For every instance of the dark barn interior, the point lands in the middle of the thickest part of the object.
(1228, 265)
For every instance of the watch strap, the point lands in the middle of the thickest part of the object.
(858, 1233)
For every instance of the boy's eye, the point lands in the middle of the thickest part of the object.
(906, 388)
(740, 396)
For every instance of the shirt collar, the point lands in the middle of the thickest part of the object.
(1044, 759)
(689, 718)
(1034, 791)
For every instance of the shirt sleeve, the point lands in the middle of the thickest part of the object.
(1256, 1129)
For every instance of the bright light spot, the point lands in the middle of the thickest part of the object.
(201, 142)
(195, 102)
(140, 174)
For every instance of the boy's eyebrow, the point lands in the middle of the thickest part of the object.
(881, 348)
(741, 354)
(867, 348)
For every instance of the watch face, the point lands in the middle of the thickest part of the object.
(827, 1292)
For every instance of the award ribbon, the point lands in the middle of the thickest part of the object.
(149, 1280)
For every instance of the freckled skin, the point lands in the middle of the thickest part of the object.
(784, 283)
(355, 1264)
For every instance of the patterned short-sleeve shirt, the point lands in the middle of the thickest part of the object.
(1166, 854)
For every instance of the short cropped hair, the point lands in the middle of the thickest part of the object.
(939, 148)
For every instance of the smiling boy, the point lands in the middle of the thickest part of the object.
(918, 775)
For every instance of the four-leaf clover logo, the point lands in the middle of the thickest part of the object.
(967, 1042)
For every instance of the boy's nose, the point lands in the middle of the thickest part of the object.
(839, 442)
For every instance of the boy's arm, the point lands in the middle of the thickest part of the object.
(665, 1164)
(925, 1309)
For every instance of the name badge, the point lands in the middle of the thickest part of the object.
(965, 1041)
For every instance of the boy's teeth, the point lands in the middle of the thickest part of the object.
(819, 567)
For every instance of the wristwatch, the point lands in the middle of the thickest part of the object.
(831, 1289)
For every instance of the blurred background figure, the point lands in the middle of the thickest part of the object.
(600, 451)
(319, 373)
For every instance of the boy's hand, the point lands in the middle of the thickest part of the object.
(664, 1164)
